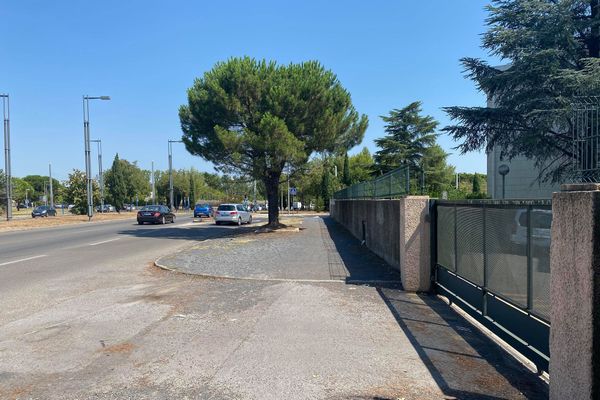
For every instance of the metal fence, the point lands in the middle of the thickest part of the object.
(395, 183)
(493, 259)
(586, 139)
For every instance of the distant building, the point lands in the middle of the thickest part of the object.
(521, 182)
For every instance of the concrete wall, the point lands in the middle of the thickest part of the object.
(575, 293)
(396, 230)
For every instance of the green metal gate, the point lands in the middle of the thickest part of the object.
(492, 259)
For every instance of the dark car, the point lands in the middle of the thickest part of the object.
(203, 210)
(155, 215)
(43, 211)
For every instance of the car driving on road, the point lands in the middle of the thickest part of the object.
(203, 210)
(43, 211)
(155, 215)
(232, 214)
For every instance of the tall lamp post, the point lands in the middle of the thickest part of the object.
(171, 170)
(51, 188)
(503, 170)
(88, 161)
(100, 172)
(6, 113)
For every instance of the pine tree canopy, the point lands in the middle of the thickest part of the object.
(552, 52)
(408, 135)
(252, 118)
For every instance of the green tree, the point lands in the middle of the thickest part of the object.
(252, 118)
(439, 176)
(21, 188)
(361, 166)
(76, 193)
(39, 185)
(553, 50)
(476, 184)
(346, 180)
(326, 187)
(116, 183)
(408, 134)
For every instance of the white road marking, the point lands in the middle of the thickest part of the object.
(104, 241)
(23, 259)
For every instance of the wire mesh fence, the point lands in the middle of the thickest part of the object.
(501, 246)
(394, 184)
(586, 139)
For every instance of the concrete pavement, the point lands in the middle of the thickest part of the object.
(95, 320)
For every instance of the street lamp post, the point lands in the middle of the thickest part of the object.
(7, 166)
(152, 179)
(171, 170)
(88, 162)
(503, 170)
(51, 190)
(100, 173)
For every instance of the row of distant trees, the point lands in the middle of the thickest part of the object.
(126, 183)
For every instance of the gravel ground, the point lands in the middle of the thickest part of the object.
(321, 251)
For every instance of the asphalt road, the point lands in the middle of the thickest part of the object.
(32, 259)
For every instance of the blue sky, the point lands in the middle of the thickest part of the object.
(145, 54)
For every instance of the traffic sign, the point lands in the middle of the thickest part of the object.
(293, 191)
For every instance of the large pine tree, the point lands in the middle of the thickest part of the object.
(552, 52)
(408, 135)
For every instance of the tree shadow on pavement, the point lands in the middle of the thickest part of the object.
(464, 363)
(201, 231)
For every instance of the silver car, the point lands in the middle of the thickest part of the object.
(232, 213)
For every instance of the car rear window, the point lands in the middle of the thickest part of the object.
(226, 207)
(150, 208)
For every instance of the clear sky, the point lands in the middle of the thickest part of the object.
(145, 54)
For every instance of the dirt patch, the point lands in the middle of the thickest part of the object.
(121, 348)
(59, 220)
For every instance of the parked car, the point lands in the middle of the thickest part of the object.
(155, 215)
(43, 211)
(233, 213)
(129, 207)
(203, 210)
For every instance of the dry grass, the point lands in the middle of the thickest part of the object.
(18, 224)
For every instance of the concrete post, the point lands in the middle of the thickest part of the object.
(415, 264)
(575, 293)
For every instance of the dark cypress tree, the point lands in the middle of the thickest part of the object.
(346, 174)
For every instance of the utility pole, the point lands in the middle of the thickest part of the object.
(100, 173)
(152, 181)
(289, 207)
(7, 166)
(457, 180)
(171, 170)
(51, 191)
(88, 162)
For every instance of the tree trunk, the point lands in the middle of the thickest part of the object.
(272, 186)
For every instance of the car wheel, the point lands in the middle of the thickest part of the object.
(162, 220)
(140, 223)
(250, 220)
(239, 221)
(217, 222)
(173, 219)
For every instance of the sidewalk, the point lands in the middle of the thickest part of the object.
(370, 341)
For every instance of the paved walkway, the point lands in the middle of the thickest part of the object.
(325, 334)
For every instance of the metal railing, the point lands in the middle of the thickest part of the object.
(493, 257)
(586, 139)
(393, 184)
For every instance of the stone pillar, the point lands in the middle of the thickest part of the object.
(415, 251)
(575, 293)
